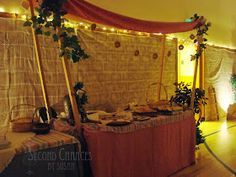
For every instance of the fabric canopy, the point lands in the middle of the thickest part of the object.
(80, 9)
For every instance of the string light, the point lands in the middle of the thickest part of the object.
(104, 28)
(24, 17)
(139, 33)
(112, 29)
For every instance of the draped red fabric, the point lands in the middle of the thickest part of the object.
(80, 9)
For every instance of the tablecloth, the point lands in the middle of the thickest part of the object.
(154, 148)
(29, 142)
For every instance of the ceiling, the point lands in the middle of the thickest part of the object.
(220, 13)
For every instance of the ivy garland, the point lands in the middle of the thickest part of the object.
(199, 37)
(50, 18)
(50, 21)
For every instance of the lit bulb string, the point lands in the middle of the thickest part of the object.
(88, 26)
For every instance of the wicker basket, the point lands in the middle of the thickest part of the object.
(22, 124)
(154, 103)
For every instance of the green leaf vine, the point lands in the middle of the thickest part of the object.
(182, 97)
(50, 21)
(199, 38)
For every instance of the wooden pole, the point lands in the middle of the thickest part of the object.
(39, 60)
(202, 80)
(177, 62)
(162, 67)
(70, 89)
(194, 83)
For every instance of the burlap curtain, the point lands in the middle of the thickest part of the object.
(219, 65)
(119, 70)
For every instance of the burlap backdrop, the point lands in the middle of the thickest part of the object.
(219, 66)
(113, 76)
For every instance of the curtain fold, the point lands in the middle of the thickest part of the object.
(80, 9)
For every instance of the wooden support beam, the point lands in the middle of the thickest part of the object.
(162, 68)
(177, 61)
(38, 59)
(202, 80)
(194, 83)
(70, 89)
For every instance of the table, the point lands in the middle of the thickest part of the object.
(55, 154)
(157, 147)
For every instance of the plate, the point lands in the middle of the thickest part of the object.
(118, 123)
(141, 118)
(149, 114)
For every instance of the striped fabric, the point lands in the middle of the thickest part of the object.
(136, 125)
(51, 140)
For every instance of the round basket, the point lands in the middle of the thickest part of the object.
(37, 127)
(154, 103)
(20, 124)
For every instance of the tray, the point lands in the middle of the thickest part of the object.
(118, 123)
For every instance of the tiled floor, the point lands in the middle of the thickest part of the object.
(221, 139)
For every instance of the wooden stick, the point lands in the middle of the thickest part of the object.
(194, 84)
(176, 62)
(70, 89)
(39, 60)
(202, 80)
(162, 67)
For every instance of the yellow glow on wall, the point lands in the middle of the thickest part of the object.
(224, 94)
(14, 11)
(186, 66)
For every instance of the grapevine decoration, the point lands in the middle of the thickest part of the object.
(199, 38)
(50, 21)
(50, 18)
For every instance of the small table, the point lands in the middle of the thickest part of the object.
(54, 154)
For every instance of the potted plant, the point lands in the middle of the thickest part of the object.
(182, 97)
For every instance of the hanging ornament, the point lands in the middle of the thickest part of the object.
(181, 47)
(93, 26)
(192, 36)
(117, 44)
(155, 56)
(25, 4)
(169, 53)
(136, 53)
